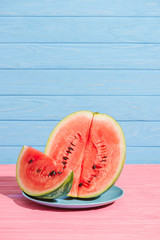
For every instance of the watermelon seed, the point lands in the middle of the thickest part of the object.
(70, 148)
(65, 158)
(72, 144)
(52, 173)
(105, 157)
(30, 161)
(103, 160)
(80, 185)
(38, 170)
(75, 137)
(68, 151)
(89, 181)
(64, 163)
(64, 167)
(59, 172)
(94, 166)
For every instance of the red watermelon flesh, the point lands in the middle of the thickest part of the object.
(67, 144)
(38, 176)
(103, 157)
(93, 146)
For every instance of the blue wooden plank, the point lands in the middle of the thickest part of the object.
(77, 82)
(64, 56)
(143, 155)
(143, 144)
(56, 107)
(90, 30)
(135, 155)
(80, 8)
(34, 133)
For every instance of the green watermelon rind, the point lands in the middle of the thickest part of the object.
(122, 160)
(60, 191)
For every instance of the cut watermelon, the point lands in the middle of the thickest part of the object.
(38, 176)
(93, 146)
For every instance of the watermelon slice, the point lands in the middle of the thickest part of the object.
(93, 146)
(38, 176)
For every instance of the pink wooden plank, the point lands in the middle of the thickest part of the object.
(135, 216)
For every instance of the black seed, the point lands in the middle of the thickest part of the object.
(80, 184)
(65, 158)
(70, 148)
(105, 157)
(89, 181)
(38, 170)
(64, 163)
(72, 144)
(52, 173)
(94, 166)
(30, 161)
(59, 172)
(68, 151)
(75, 137)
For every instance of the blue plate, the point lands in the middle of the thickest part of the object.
(107, 197)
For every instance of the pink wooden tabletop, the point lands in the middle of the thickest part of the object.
(135, 216)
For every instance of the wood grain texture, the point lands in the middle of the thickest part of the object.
(136, 155)
(80, 8)
(90, 30)
(57, 57)
(134, 216)
(57, 107)
(83, 56)
(36, 133)
(77, 82)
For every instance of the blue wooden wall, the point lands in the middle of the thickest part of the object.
(57, 57)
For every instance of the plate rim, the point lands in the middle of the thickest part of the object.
(75, 205)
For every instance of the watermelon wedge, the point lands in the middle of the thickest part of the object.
(38, 176)
(93, 146)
